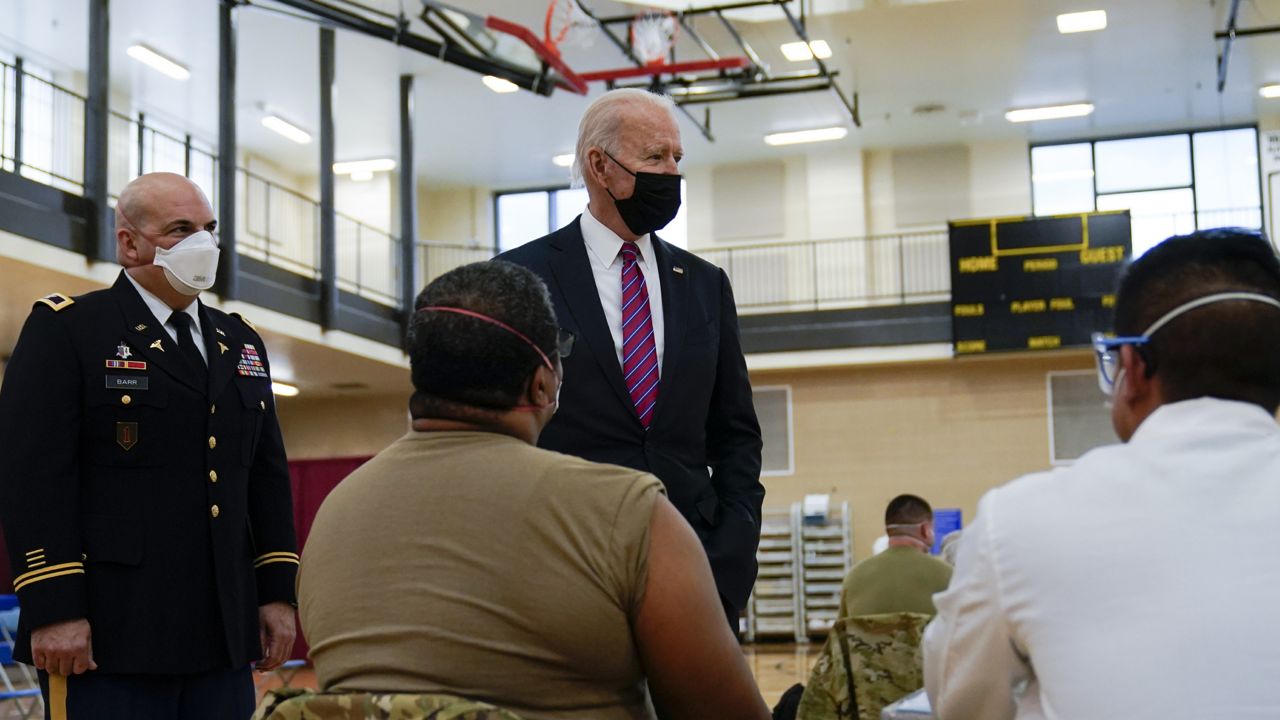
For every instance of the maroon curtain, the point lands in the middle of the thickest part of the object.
(312, 481)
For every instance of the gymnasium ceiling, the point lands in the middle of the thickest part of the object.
(1152, 68)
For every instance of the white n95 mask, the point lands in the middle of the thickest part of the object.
(191, 265)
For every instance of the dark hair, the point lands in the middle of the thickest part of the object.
(907, 510)
(461, 364)
(1228, 350)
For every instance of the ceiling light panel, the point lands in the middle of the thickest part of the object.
(1049, 112)
(1078, 22)
(154, 60)
(806, 136)
(287, 129)
(499, 85)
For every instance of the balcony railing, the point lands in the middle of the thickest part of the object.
(42, 137)
(826, 274)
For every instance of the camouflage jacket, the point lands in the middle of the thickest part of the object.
(877, 655)
(300, 704)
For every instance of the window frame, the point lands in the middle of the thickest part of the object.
(1190, 134)
(548, 190)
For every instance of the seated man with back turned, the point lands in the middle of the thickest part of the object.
(1140, 582)
(465, 560)
(904, 577)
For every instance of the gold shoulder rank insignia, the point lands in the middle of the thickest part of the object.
(57, 302)
(245, 320)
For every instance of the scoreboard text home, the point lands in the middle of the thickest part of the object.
(1034, 283)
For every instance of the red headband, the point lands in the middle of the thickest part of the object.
(493, 321)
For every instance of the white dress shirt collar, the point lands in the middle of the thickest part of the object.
(161, 309)
(604, 246)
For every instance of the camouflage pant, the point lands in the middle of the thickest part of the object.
(299, 704)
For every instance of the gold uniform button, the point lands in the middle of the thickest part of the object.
(262, 404)
(213, 409)
(214, 511)
(213, 476)
(125, 399)
(213, 442)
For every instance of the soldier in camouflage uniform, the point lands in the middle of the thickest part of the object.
(876, 655)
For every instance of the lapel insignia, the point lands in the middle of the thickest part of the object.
(250, 364)
(219, 331)
(223, 348)
(157, 346)
(677, 270)
(140, 327)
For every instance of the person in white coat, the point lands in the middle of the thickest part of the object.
(1140, 582)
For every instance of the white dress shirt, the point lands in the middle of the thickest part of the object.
(1141, 582)
(162, 311)
(604, 249)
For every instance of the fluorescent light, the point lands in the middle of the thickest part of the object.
(1050, 112)
(565, 160)
(352, 167)
(1062, 175)
(158, 62)
(287, 129)
(806, 136)
(799, 51)
(1082, 21)
(283, 389)
(362, 176)
(1269, 91)
(499, 85)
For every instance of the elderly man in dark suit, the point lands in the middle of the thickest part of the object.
(145, 491)
(661, 385)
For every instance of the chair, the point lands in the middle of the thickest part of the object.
(300, 704)
(868, 662)
(23, 697)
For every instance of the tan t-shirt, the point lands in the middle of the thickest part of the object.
(475, 564)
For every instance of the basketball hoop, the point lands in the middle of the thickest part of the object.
(653, 34)
(567, 25)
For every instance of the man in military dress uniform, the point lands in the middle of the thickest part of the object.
(144, 491)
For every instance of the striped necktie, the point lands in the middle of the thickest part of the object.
(639, 350)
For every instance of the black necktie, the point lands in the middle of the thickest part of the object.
(187, 345)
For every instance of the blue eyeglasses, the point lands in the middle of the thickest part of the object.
(1107, 349)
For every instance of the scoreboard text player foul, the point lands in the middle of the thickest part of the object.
(1034, 283)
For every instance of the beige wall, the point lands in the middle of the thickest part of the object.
(341, 427)
(455, 215)
(945, 430)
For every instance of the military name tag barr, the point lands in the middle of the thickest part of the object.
(127, 382)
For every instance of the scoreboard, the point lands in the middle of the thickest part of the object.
(1034, 283)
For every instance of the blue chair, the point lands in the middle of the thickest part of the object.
(24, 697)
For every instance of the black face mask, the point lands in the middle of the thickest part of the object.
(653, 203)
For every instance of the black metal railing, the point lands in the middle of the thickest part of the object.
(42, 137)
(41, 129)
(848, 272)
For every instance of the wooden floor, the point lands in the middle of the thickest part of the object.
(776, 666)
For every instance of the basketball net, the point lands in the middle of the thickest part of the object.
(567, 26)
(653, 34)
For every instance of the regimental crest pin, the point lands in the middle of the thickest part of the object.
(123, 352)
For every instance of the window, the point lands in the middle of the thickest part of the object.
(773, 410)
(1171, 184)
(525, 216)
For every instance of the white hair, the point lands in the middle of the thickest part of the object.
(601, 123)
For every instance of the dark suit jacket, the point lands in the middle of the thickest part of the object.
(111, 475)
(704, 440)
